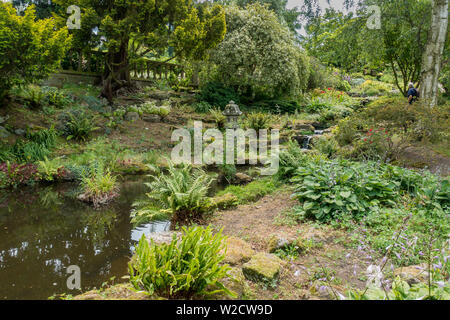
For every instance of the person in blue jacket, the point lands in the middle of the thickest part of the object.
(412, 94)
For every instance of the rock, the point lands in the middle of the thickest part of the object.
(235, 283)
(226, 201)
(19, 132)
(242, 178)
(4, 133)
(132, 116)
(262, 267)
(163, 237)
(413, 274)
(276, 242)
(152, 118)
(238, 251)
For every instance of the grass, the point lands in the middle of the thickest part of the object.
(252, 191)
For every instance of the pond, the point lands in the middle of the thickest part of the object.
(43, 230)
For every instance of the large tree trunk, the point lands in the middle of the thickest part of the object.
(117, 72)
(431, 61)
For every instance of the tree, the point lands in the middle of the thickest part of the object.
(258, 56)
(432, 57)
(399, 43)
(29, 49)
(151, 26)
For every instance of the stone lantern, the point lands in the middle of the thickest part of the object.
(232, 113)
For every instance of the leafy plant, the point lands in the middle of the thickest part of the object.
(329, 189)
(182, 193)
(258, 120)
(99, 185)
(182, 268)
(77, 124)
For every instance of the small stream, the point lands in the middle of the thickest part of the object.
(43, 231)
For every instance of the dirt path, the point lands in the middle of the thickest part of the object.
(421, 157)
(328, 249)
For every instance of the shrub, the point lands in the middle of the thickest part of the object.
(29, 48)
(99, 186)
(329, 190)
(290, 159)
(37, 148)
(55, 97)
(76, 124)
(327, 146)
(183, 268)
(373, 88)
(216, 94)
(218, 117)
(258, 121)
(13, 174)
(182, 193)
(202, 107)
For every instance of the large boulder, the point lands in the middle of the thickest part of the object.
(262, 267)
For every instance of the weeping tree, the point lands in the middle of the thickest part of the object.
(133, 29)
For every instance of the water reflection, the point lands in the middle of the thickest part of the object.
(43, 231)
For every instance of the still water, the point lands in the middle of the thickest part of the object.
(43, 230)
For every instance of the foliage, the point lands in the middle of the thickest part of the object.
(275, 106)
(217, 94)
(258, 121)
(182, 268)
(290, 159)
(129, 37)
(202, 107)
(218, 117)
(13, 174)
(373, 88)
(327, 146)
(257, 56)
(330, 190)
(30, 49)
(51, 170)
(76, 124)
(37, 147)
(182, 193)
(98, 185)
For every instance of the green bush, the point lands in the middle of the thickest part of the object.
(329, 190)
(76, 124)
(37, 146)
(181, 193)
(216, 94)
(98, 185)
(202, 107)
(258, 121)
(181, 269)
(30, 48)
